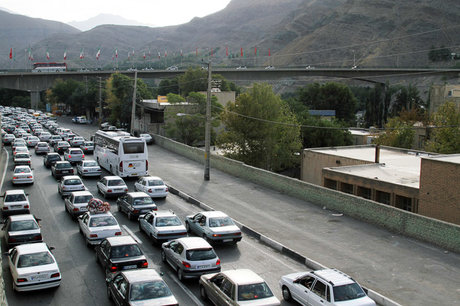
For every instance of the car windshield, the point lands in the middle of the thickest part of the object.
(143, 201)
(15, 198)
(22, 155)
(168, 221)
(73, 182)
(75, 152)
(221, 221)
(200, 254)
(348, 292)
(23, 225)
(116, 183)
(42, 145)
(54, 157)
(130, 250)
(102, 221)
(21, 170)
(35, 259)
(63, 165)
(156, 183)
(88, 143)
(83, 199)
(90, 164)
(254, 292)
(149, 290)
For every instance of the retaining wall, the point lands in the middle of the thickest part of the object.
(443, 234)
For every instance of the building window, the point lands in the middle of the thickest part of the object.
(383, 197)
(403, 203)
(364, 192)
(331, 184)
(347, 188)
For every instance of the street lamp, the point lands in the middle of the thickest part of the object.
(207, 134)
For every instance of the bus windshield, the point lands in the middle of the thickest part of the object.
(133, 147)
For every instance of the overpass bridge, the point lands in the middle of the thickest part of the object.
(34, 82)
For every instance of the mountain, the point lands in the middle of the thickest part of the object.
(320, 33)
(20, 32)
(103, 19)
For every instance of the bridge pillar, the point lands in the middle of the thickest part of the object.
(34, 99)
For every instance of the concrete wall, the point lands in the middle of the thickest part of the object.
(439, 190)
(437, 232)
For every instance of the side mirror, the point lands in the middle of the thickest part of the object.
(80, 217)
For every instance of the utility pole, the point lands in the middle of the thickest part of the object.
(100, 101)
(207, 134)
(133, 106)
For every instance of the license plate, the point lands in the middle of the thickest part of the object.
(120, 189)
(38, 277)
(129, 267)
(227, 240)
(16, 206)
(65, 171)
(203, 267)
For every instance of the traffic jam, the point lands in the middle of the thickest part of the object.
(99, 200)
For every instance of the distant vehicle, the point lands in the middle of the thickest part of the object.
(74, 155)
(121, 154)
(354, 67)
(42, 148)
(172, 68)
(147, 137)
(309, 67)
(49, 67)
(50, 159)
(87, 147)
(269, 67)
(241, 68)
(69, 184)
(89, 167)
(323, 287)
(61, 168)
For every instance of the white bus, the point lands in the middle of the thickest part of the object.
(49, 67)
(121, 154)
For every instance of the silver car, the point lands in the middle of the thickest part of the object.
(191, 257)
(42, 148)
(89, 167)
(77, 141)
(74, 155)
(76, 203)
(70, 183)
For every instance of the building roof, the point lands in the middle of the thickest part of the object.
(452, 158)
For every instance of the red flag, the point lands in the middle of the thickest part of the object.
(82, 54)
(166, 53)
(255, 51)
(98, 54)
(159, 55)
(47, 55)
(116, 53)
(144, 55)
(226, 50)
(11, 53)
(181, 54)
(269, 53)
(242, 52)
(65, 54)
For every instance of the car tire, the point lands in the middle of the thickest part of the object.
(163, 256)
(286, 294)
(109, 294)
(180, 274)
(203, 293)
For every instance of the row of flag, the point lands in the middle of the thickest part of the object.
(131, 53)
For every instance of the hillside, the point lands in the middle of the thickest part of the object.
(325, 33)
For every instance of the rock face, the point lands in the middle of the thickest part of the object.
(320, 33)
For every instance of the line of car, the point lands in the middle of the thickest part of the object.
(128, 276)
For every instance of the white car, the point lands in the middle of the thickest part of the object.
(42, 148)
(44, 136)
(147, 137)
(53, 139)
(33, 267)
(74, 155)
(323, 287)
(76, 203)
(247, 288)
(15, 202)
(111, 186)
(70, 183)
(162, 226)
(152, 185)
(23, 175)
(96, 226)
(89, 167)
(77, 141)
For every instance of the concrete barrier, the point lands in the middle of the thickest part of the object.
(3, 166)
(440, 233)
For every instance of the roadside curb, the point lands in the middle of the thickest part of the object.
(310, 263)
(3, 163)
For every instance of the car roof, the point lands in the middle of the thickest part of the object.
(141, 275)
(70, 177)
(194, 242)
(152, 178)
(99, 214)
(22, 166)
(22, 217)
(137, 194)
(333, 276)
(163, 213)
(112, 177)
(32, 248)
(81, 193)
(243, 276)
(62, 162)
(53, 153)
(88, 160)
(213, 213)
(121, 240)
(15, 191)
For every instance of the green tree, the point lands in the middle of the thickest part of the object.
(406, 99)
(174, 98)
(119, 89)
(398, 134)
(190, 128)
(445, 136)
(261, 130)
(193, 80)
(168, 86)
(333, 96)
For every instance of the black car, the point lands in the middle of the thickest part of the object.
(61, 146)
(120, 253)
(61, 168)
(50, 159)
(135, 204)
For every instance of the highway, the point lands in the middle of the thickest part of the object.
(83, 279)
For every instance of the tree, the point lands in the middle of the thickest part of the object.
(173, 98)
(260, 130)
(399, 133)
(332, 96)
(445, 136)
(406, 99)
(119, 89)
(168, 86)
(193, 80)
(190, 128)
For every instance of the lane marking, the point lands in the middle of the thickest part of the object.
(186, 290)
(130, 232)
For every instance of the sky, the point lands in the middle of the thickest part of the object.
(149, 12)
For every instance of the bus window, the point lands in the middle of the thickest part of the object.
(133, 147)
